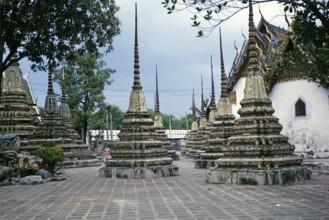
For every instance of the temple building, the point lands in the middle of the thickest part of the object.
(139, 153)
(256, 153)
(304, 104)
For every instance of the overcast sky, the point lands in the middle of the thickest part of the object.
(169, 42)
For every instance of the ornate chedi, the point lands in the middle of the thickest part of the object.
(64, 111)
(222, 127)
(52, 125)
(202, 134)
(211, 112)
(158, 125)
(16, 115)
(139, 152)
(257, 153)
(192, 133)
(55, 126)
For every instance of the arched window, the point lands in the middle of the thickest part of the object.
(300, 108)
(232, 97)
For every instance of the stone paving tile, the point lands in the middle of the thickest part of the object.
(85, 196)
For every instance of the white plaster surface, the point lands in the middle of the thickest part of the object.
(305, 132)
(310, 132)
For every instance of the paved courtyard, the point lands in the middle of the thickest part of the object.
(85, 196)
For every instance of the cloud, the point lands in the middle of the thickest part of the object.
(169, 42)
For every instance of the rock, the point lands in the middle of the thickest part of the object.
(8, 158)
(16, 180)
(28, 164)
(60, 172)
(9, 142)
(32, 180)
(56, 178)
(5, 175)
(44, 173)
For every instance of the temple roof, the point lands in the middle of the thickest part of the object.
(270, 39)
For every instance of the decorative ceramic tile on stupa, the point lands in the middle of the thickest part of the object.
(257, 153)
(159, 128)
(139, 152)
(16, 115)
(222, 127)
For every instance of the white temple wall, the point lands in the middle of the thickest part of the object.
(239, 89)
(309, 132)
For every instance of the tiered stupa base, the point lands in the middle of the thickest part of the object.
(207, 160)
(139, 168)
(261, 171)
(173, 155)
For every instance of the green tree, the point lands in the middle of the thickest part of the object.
(311, 28)
(52, 29)
(180, 123)
(85, 79)
(98, 120)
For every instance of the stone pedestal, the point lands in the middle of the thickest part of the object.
(139, 172)
(254, 176)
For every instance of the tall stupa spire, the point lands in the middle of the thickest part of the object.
(255, 86)
(253, 52)
(193, 107)
(50, 79)
(222, 67)
(212, 100)
(157, 103)
(64, 107)
(50, 103)
(137, 82)
(137, 98)
(63, 87)
(203, 119)
(203, 113)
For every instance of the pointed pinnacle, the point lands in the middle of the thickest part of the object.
(63, 87)
(223, 75)
(253, 52)
(212, 100)
(193, 106)
(137, 83)
(203, 113)
(157, 103)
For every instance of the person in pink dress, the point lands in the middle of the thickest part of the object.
(107, 153)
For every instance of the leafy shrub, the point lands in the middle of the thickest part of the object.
(51, 156)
